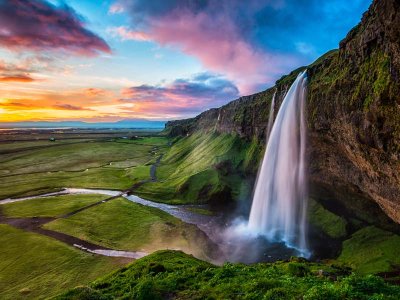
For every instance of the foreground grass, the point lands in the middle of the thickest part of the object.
(122, 224)
(50, 206)
(113, 164)
(175, 275)
(36, 267)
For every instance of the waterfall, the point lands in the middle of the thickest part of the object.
(271, 116)
(279, 207)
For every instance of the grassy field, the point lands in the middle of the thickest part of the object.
(72, 157)
(14, 146)
(175, 275)
(112, 164)
(36, 267)
(122, 224)
(49, 206)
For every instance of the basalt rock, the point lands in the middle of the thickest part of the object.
(353, 109)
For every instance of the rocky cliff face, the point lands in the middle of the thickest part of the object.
(353, 118)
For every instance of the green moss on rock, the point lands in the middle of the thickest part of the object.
(371, 250)
(332, 225)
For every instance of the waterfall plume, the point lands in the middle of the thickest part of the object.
(279, 207)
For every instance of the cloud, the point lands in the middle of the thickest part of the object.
(182, 96)
(95, 92)
(14, 73)
(125, 34)
(16, 105)
(116, 8)
(30, 104)
(69, 107)
(39, 25)
(16, 78)
(251, 42)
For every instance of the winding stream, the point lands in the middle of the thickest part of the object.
(233, 245)
(182, 212)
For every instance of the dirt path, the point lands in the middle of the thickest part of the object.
(35, 225)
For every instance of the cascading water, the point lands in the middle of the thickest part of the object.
(279, 205)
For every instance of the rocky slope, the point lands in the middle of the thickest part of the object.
(353, 119)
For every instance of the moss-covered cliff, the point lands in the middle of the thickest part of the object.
(353, 118)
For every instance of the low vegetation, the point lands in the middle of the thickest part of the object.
(175, 275)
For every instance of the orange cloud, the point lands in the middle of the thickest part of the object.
(16, 78)
(69, 107)
(95, 92)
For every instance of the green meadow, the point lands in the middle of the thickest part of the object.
(34, 266)
(53, 206)
(38, 167)
(124, 225)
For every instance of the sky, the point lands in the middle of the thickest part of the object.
(108, 60)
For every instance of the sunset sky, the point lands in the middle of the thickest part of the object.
(155, 59)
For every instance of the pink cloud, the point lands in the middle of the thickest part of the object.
(211, 32)
(126, 34)
(183, 97)
(116, 8)
(38, 25)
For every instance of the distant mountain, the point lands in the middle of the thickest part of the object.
(129, 123)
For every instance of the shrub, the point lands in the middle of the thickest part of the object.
(298, 269)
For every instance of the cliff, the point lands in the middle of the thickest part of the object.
(353, 118)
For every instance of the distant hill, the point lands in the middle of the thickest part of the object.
(129, 123)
